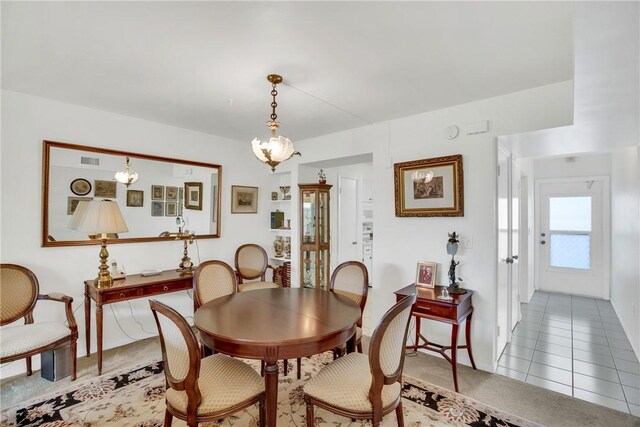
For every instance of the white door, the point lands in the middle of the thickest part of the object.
(503, 250)
(573, 250)
(347, 220)
(514, 306)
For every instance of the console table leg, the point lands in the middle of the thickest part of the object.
(99, 335)
(418, 322)
(454, 354)
(468, 338)
(87, 320)
(271, 389)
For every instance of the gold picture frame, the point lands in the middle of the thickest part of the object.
(104, 188)
(429, 187)
(426, 274)
(244, 200)
(193, 195)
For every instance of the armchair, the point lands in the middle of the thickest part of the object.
(252, 263)
(20, 292)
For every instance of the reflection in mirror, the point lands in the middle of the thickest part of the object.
(166, 189)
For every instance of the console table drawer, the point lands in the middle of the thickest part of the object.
(447, 312)
(162, 288)
(121, 295)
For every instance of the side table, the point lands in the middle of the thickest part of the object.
(454, 312)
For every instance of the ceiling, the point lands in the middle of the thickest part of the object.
(203, 65)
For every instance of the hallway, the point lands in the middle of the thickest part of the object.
(576, 346)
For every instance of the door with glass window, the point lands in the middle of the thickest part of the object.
(571, 242)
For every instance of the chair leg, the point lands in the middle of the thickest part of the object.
(359, 347)
(400, 415)
(261, 413)
(299, 367)
(74, 356)
(29, 371)
(285, 365)
(310, 415)
(168, 418)
(262, 368)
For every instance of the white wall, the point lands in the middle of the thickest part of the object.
(401, 242)
(581, 165)
(26, 121)
(625, 241)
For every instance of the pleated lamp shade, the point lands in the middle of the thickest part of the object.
(98, 216)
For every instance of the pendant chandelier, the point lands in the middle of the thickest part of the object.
(126, 177)
(278, 148)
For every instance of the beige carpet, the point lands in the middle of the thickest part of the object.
(135, 397)
(524, 400)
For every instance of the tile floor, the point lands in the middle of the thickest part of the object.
(576, 346)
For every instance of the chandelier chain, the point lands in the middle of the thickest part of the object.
(274, 104)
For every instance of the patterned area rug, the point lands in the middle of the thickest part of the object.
(135, 397)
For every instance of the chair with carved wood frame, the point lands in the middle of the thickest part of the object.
(20, 292)
(252, 263)
(366, 387)
(207, 389)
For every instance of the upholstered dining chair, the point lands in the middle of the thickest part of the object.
(349, 279)
(20, 289)
(206, 389)
(252, 263)
(366, 387)
(213, 279)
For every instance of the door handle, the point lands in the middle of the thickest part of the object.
(515, 257)
(509, 260)
(542, 242)
(354, 243)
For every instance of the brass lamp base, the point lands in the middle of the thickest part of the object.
(104, 279)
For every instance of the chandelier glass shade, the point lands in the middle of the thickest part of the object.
(126, 177)
(278, 148)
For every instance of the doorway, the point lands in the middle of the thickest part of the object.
(572, 232)
(347, 219)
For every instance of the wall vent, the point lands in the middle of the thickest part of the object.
(90, 161)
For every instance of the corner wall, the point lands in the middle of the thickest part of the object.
(26, 121)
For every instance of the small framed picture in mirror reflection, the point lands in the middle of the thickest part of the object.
(172, 194)
(193, 195)
(105, 188)
(157, 192)
(157, 208)
(135, 198)
(72, 203)
(170, 209)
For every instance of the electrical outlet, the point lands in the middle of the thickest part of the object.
(467, 242)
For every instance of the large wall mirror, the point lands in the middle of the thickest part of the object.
(166, 189)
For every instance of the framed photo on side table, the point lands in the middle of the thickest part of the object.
(426, 274)
(244, 199)
(193, 195)
(429, 187)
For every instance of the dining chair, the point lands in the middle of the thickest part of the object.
(213, 279)
(349, 279)
(207, 389)
(20, 289)
(252, 263)
(362, 386)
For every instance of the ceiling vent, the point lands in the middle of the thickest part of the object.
(90, 161)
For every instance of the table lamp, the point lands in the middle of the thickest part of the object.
(100, 217)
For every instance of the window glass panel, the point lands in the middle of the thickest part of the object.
(570, 251)
(570, 213)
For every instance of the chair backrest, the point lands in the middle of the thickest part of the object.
(251, 262)
(19, 289)
(213, 279)
(351, 279)
(386, 349)
(180, 352)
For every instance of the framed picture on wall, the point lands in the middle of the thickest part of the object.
(171, 209)
(72, 203)
(80, 187)
(157, 208)
(426, 274)
(429, 187)
(157, 192)
(193, 195)
(105, 188)
(244, 199)
(172, 194)
(135, 198)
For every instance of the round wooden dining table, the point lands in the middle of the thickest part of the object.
(273, 324)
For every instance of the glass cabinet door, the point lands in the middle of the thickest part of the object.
(314, 236)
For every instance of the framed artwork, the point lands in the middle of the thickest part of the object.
(157, 208)
(105, 188)
(80, 187)
(180, 207)
(172, 194)
(181, 193)
(426, 274)
(274, 195)
(135, 198)
(193, 195)
(214, 204)
(429, 187)
(244, 199)
(72, 203)
(171, 209)
(157, 192)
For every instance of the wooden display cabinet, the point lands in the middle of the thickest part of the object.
(315, 236)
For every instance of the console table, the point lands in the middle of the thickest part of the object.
(427, 306)
(131, 287)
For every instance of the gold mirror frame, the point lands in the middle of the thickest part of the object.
(46, 156)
